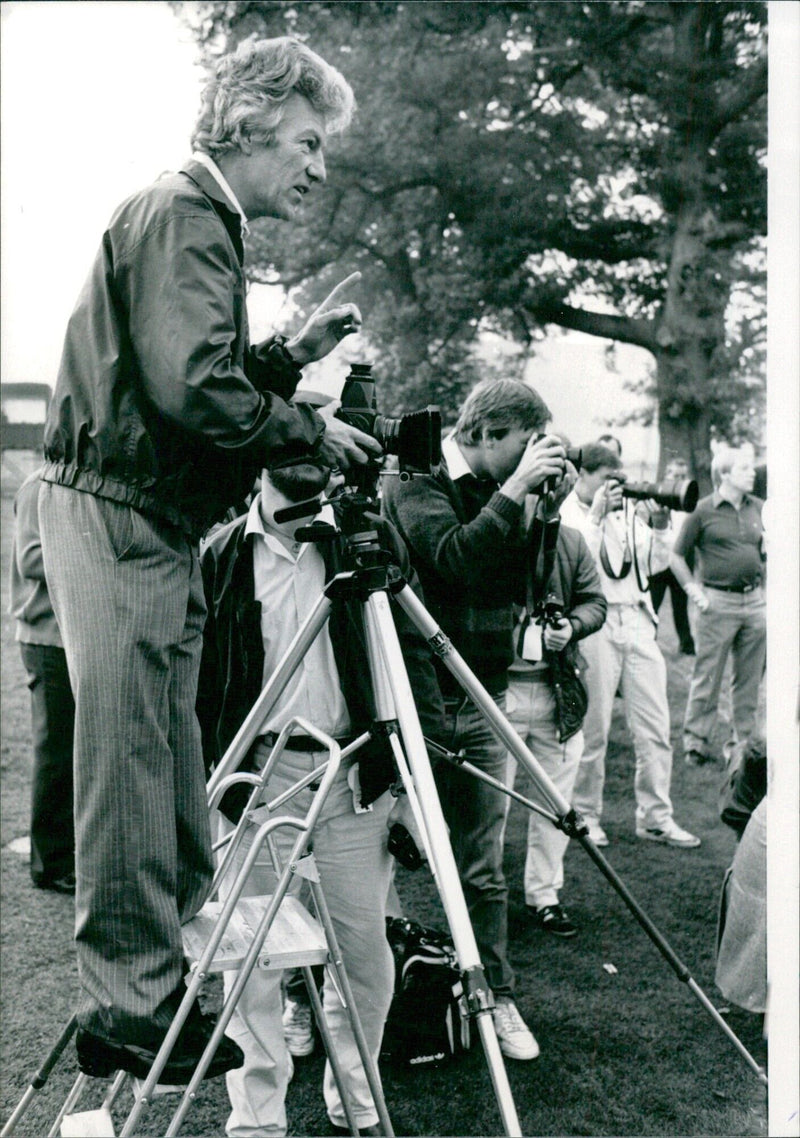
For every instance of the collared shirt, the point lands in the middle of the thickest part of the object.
(215, 172)
(288, 585)
(618, 530)
(729, 540)
(457, 465)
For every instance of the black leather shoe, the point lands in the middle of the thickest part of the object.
(100, 1057)
(553, 919)
(63, 884)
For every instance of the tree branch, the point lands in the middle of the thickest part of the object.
(748, 91)
(607, 326)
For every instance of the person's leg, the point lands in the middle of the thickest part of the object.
(475, 814)
(544, 860)
(355, 870)
(714, 632)
(52, 726)
(644, 691)
(257, 1090)
(680, 615)
(749, 659)
(603, 656)
(121, 591)
(658, 587)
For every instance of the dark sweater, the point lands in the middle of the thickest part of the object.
(465, 544)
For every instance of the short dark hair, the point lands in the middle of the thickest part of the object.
(605, 439)
(500, 404)
(595, 455)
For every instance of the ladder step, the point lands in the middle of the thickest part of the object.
(294, 940)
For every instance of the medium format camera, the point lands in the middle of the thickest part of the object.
(415, 438)
(674, 494)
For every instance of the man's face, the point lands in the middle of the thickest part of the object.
(741, 475)
(677, 469)
(301, 482)
(502, 450)
(281, 173)
(590, 481)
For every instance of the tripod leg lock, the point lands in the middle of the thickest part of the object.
(477, 993)
(573, 825)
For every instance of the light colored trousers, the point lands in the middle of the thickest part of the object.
(624, 652)
(530, 707)
(733, 625)
(355, 871)
(128, 597)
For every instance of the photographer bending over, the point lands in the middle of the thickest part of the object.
(624, 652)
(162, 416)
(462, 526)
(261, 584)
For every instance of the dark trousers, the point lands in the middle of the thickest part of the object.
(52, 725)
(659, 583)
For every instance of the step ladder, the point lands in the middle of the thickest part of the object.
(241, 933)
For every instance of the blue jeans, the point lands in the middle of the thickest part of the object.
(475, 814)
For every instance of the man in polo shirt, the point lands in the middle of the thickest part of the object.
(726, 533)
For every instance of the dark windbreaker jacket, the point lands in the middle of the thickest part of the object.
(161, 403)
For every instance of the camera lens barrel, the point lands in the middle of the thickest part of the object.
(678, 494)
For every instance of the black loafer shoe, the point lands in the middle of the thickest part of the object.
(100, 1058)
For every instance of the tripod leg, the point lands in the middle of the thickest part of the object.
(383, 643)
(41, 1076)
(568, 820)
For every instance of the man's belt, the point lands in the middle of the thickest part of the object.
(303, 743)
(732, 588)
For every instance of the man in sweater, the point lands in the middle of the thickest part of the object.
(463, 529)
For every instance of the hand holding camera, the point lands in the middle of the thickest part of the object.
(543, 458)
(607, 499)
(344, 444)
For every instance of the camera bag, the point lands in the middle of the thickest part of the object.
(427, 1023)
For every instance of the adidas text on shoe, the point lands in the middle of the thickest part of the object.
(298, 1028)
(515, 1039)
(670, 835)
(553, 919)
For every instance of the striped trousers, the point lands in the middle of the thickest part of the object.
(128, 597)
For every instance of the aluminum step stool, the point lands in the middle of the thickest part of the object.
(272, 932)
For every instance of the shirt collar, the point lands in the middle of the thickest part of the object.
(215, 172)
(717, 500)
(457, 465)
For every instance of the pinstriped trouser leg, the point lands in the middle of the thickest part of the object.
(128, 597)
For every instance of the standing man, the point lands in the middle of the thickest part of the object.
(52, 706)
(463, 528)
(624, 652)
(261, 583)
(572, 588)
(726, 532)
(675, 470)
(162, 416)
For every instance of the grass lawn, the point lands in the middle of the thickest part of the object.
(625, 1051)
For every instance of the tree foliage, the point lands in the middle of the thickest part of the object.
(597, 166)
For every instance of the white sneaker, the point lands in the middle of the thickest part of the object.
(298, 1028)
(669, 835)
(596, 832)
(516, 1041)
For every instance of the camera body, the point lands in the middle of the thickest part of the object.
(673, 494)
(574, 455)
(414, 438)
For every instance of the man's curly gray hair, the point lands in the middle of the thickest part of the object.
(246, 94)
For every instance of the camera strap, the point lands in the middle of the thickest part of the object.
(627, 561)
